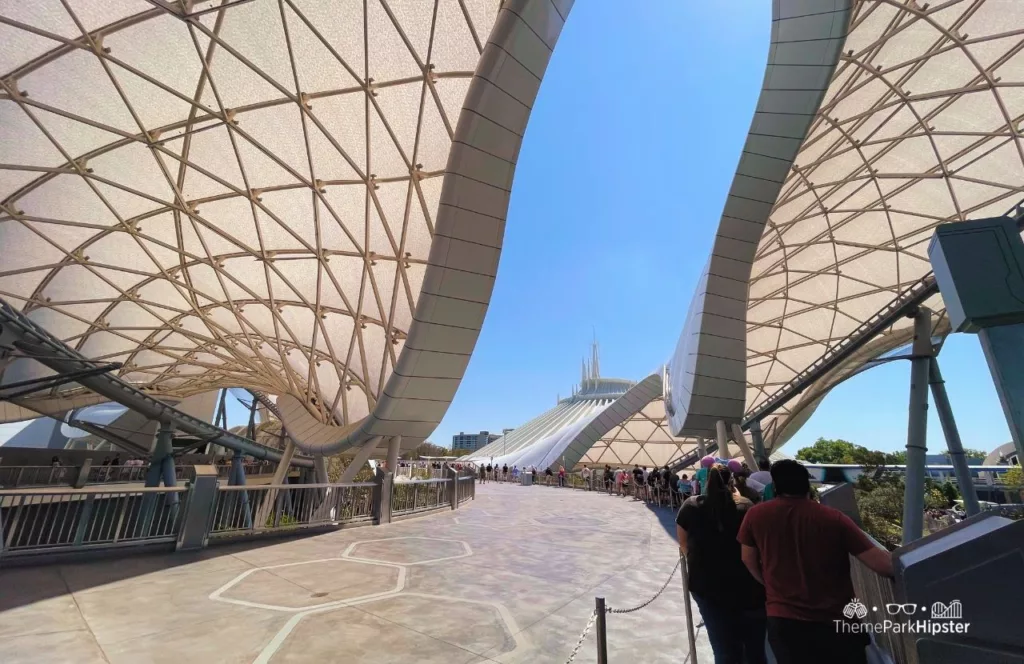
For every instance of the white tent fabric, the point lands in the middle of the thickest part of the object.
(225, 200)
(643, 439)
(919, 126)
(303, 197)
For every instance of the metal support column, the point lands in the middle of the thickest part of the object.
(702, 448)
(161, 467)
(917, 427)
(758, 440)
(953, 443)
(741, 442)
(163, 448)
(360, 458)
(236, 477)
(722, 436)
(266, 509)
(1003, 346)
(394, 445)
(320, 467)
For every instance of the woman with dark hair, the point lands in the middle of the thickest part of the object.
(731, 602)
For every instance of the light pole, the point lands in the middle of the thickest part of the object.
(504, 440)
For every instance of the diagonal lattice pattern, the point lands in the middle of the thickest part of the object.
(919, 126)
(642, 439)
(237, 193)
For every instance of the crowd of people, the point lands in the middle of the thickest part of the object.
(765, 559)
(494, 473)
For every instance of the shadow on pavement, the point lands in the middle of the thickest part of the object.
(25, 584)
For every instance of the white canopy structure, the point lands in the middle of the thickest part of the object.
(644, 439)
(877, 121)
(305, 198)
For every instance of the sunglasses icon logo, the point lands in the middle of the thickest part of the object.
(896, 609)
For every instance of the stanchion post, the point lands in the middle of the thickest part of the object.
(692, 656)
(602, 632)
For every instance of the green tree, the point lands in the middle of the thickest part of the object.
(896, 458)
(829, 451)
(1014, 477)
(880, 502)
(950, 493)
(825, 450)
(973, 456)
(428, 449)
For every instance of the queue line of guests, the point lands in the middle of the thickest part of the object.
(774, 565)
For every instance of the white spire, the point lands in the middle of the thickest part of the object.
(595, 361)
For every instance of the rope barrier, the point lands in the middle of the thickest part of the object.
(593, 616)
(583, 637)
(656, 595)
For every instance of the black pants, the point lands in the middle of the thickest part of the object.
(736, 635)
(805, 642)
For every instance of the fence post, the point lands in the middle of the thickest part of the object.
(83, 519)
(453, 491)
(83, 474)
(602, 632)
(684, 572)
(382, 484)
(199, 507)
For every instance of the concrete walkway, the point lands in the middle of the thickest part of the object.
(510, 577)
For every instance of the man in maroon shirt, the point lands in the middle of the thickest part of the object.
(800, 550)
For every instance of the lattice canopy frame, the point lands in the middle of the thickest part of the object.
(920, 125)
(248, 193)
(644, 439)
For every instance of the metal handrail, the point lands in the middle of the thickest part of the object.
(58, 520)
(432, 498)
(258, 510)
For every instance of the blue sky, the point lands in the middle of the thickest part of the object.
(627, 160)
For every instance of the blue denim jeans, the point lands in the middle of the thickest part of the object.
(737, 636)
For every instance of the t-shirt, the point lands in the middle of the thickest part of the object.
(805, 550)
(684, 486)
(702, 477)
(716, 571)
(638, 475)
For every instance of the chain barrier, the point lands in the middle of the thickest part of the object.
(583, 637)
(593, 614)
(656, 595)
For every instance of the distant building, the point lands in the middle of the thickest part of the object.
(472, 441)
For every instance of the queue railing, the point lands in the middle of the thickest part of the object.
(33, 522)
(254, 510)
(68, 520)
(872, 589)
(15, 477)
(420, 496)
(466, 488)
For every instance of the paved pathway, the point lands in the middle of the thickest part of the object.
(510, 578)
